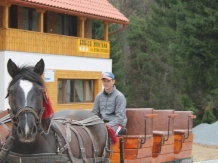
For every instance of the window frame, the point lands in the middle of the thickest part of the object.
(63, 91)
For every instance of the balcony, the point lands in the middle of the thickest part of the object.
(44, 43)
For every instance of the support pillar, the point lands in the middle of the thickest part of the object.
(106, 24)
(82, 27)
(41, 20)
(6, 6)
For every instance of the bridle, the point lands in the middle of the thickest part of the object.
(29, 109)
(15, 119)
(26, 109)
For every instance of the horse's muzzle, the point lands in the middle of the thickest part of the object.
(26, 128)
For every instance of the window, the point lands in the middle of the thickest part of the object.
(13, 16)
(67, 25)
(70, 91)
(30, 19)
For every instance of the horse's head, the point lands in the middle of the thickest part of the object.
(25, 95)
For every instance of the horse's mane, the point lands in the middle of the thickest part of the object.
(26, 73)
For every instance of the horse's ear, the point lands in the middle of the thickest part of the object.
(12, 68)
(39, 67)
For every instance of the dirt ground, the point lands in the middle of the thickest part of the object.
(204, 152)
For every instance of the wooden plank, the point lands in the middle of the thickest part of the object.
(5, 16)
(106, 30)
(47, 43)
(157, 144)
(131, 154)
(183, 155)
(170, 140)
(116, 147)
(178, 143)
(190, 138)
(155, 160)
(115, 158)
(140, 160)
(187, 146)
(166, 157)
(167, 149)
(144, 152)
(134, 143)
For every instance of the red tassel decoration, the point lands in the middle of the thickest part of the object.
(112, 134)
(47, 106)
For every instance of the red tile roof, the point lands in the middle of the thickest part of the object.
(99, 8)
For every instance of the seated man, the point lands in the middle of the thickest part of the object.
(110, 105)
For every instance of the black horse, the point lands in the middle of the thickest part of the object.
(67, 136)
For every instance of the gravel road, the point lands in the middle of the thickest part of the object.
(204, 152)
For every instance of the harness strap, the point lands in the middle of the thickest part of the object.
(4, 120)
(38, 158)
(5, 150)
(58, 130)
(93, 120)
(92, 160)
(48, 158)
(68, 132)
(82, 149)
(86, 122)
(93, 142)
(106, 146)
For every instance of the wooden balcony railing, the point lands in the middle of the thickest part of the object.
(45, 43)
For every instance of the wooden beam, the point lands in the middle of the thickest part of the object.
(82, 26)
(6, 6)
(5, 16)
(106, 31)
(40, 19)
(5, 3)
(64, 91)
(41, 10)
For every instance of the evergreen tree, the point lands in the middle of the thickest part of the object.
(170, 60)
(152, 81)
(196, 51)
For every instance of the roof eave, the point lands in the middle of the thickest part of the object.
(70, 12)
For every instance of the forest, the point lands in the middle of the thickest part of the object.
(167, 57)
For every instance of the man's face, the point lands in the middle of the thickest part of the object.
(108, 84)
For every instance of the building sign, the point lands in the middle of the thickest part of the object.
(49, 75)
(93, 46)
